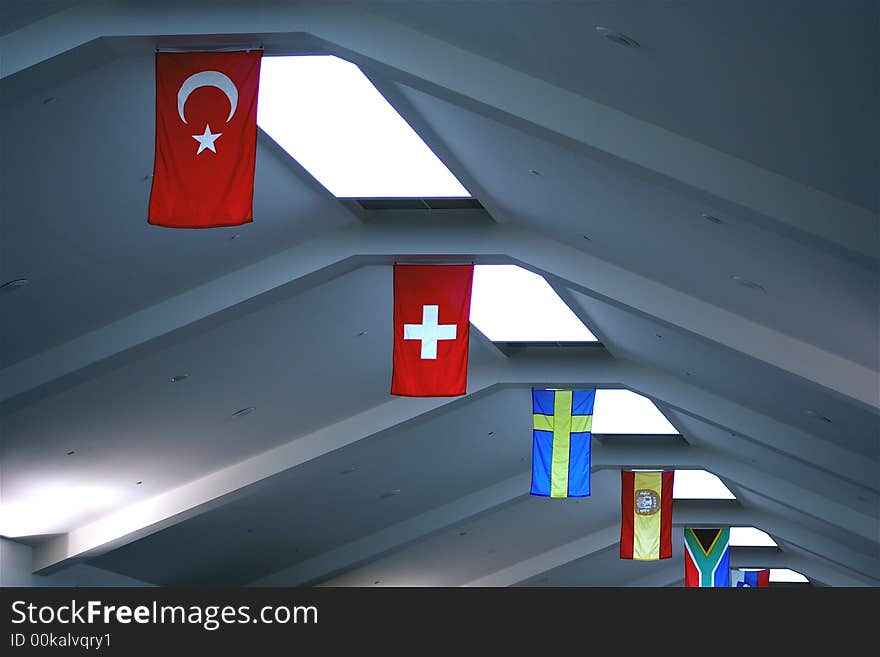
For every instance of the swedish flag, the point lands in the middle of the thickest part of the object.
(562, 422)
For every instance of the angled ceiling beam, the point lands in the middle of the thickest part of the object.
(147, 517)
(395, 537)
(156, 513)
(336, 252)
(606, 456)
(685, 513)
(496, 90)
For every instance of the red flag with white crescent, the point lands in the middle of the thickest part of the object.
(432, 306)
(206, 139)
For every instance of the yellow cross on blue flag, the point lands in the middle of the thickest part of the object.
(562, 421)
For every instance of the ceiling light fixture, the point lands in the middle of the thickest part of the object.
(617, 37)
(244, 411)
(745, 282)
(16, 284)
(819, 416)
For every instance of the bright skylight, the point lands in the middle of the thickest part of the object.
(782, 575)
(624, 411)
(330, 118)
(512, 304)
(749, 536)
(699, 485)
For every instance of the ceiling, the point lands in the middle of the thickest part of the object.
(291, 314)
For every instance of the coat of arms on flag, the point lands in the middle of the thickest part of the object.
(707, 557)
(753, 579)
(646, 515)
(562, 423)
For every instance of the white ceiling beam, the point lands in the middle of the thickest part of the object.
(605, 457)
(333, 253)
(685, 513)
(369, 548)
(491, 87)
(594, 542)
(698, 402)
(136, 521)
(171, 507)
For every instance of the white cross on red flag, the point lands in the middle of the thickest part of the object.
(432, 305)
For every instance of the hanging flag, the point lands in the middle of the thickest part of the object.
(707, 557)
(646, 524)
(750, 578)
(206, 139)
(562, 422)
(432, 305)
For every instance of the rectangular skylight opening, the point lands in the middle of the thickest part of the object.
(749, 537)
(327, 115)
(627, 412)
(699, 485)
(512, 304)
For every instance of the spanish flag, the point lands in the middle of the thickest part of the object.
(562, 423)
(646, 525)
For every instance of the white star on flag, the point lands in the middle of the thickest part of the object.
(206, 141)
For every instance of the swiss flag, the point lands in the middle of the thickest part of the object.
(432, 305)
(206, 139)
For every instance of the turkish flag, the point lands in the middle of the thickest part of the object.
(432, 305)
(206, 139)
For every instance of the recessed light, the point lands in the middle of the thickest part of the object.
(617, 37)
(745, 282)
(16, 284)
(347, 471)
(819, 416)
(244, 411)
(712, 218)
(390, 493)
(179, 377)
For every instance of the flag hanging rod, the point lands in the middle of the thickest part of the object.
(436, 260)
(247, 47)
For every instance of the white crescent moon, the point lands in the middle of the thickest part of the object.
(207, 79)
